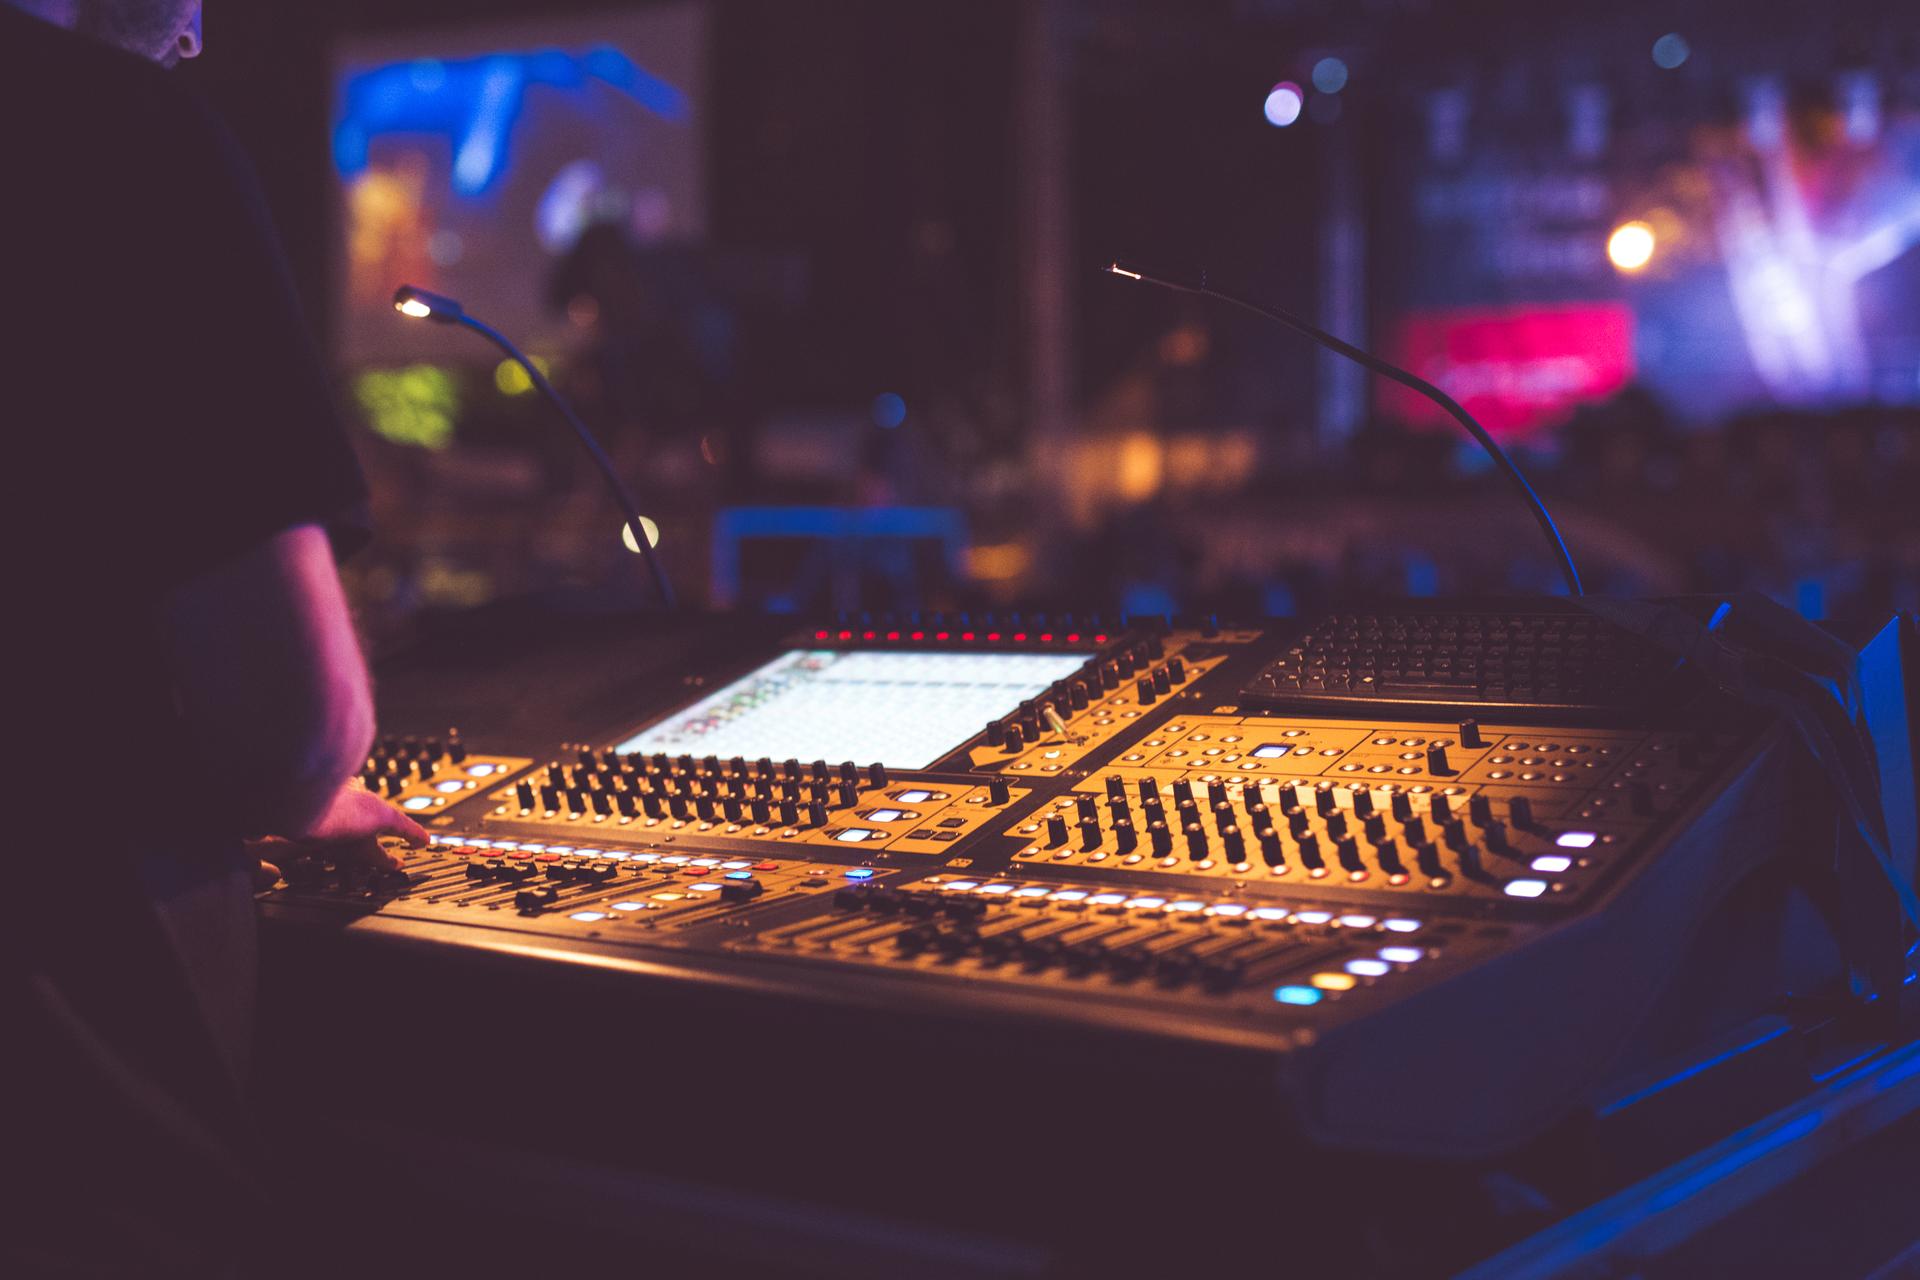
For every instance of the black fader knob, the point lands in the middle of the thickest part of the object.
(1387, 854)
(1437, 762)
(1233, 844)
(1056, 831)
(1470, 735)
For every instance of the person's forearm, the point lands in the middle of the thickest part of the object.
(295, 789)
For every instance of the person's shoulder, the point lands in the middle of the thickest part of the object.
(95, 91)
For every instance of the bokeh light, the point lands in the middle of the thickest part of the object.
(1630, 247)
(889, 410)
(1284, 101)
(651, 529)
(1670, 51)
(1330, 75)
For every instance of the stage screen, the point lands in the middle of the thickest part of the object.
(905, 710)
(472, 160)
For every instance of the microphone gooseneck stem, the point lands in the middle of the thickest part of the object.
(1394, 372)
(623, 499)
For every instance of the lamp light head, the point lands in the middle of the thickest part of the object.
(421, 305)
(1134, 271)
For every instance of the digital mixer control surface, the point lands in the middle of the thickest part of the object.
(1081, 826)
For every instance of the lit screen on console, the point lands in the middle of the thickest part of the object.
(901, 709)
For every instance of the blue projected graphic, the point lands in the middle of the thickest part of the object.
(475, 102)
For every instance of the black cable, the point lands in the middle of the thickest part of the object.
(1367, 360)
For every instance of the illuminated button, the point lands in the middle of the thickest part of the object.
(885, 815)
(913, 797)
(705, 862)
(1401, 955)
(1144, 903)
(1357, 922)
(1526, 888)
(705, 886)
(1269, 913)
(1069, 895)
(859, 873)
(506, 844)
(645, 857)
(1576, 839)
(675, 859)
(996, 888)
(1227, 909)
(1296, 995)
(668, 897)
(1313, 917)
(1400, 926)
(735, 864)
(1269, 751)
(960, 886)
(482, 770)
(1552, 863)
(448, 788)
(1031, 891)
(417, 803)
(854, 835)
(475, 842)
(1107, 899)
(629, 906)
(1333, 981)
(588, 917)
(739, 875)
(1186, 906)
(1369, 968)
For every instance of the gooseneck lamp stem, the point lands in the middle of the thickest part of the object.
(621, 497)
(410, 300)
(1396, 374)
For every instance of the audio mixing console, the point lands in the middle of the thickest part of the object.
(1128, 832)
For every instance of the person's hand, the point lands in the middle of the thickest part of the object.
(348, 831)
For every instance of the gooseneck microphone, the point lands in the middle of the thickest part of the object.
(1374, 363)
(421, 305)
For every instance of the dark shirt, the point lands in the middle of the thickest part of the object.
(162, 411)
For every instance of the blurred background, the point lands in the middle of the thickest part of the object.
(826, 277)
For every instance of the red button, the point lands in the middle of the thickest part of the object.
(766, 866)
(547, 857)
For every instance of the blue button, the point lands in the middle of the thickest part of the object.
(860, 873)
(739, 875)
(1296, 995)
